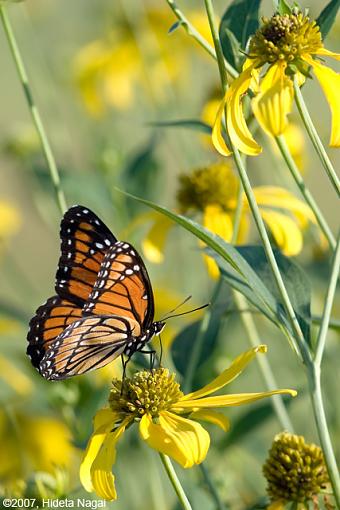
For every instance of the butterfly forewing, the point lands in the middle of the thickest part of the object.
(50, 320)
(87, 344)
(123, 287)
(85, 240)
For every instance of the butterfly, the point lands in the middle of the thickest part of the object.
(103, 307)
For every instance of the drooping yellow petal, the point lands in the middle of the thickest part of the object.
(227, 400)
(154, 242)
(280, 198)
(327, 53)
(285, 231)
(274, 102)
(237, 127)
(227, 375)
(277, 505)
(103, 421)
(186, 441)
(217, 136)
(214, 417)
(330, 84)
(14, 377)
(101, 469)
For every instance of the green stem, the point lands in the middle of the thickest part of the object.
(315, 139)
(199, 342)
(175, 482)
(298, 337)
(321, 340)
(333, 323)
(285, 152)
(264, 365)
(321, 424)
(192, 32)
(33, 109)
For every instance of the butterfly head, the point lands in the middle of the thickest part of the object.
(158, 327)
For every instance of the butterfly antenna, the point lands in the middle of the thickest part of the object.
(185, 313)
(178, 306)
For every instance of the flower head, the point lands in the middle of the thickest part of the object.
(283, 47)
(210, 192)
(167, 419)
(295, 470)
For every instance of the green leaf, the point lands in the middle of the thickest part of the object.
(327, 17)
(193, 124)
(283, 7)
(243, 276)
(295, 280)
(241, 19)
(182, 345)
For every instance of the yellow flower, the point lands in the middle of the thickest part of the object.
(109, 71)
(285, 45)
(211, 192)
(33, 443)
(166, 417)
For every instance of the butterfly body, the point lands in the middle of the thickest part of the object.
(104, 305)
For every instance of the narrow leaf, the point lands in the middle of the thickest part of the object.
(327, 17)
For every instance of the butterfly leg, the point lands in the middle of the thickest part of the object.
(124, 363)
(152, 355)
(161, 351)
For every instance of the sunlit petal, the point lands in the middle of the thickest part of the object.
(227, 375)
(214, 417)
(228, 400)
(186, 441)
(103, 421)
(101, 469)
(238, 130)
(274, 102)
(285, 231)
(154, 242)
(330, 83)
(217, 136)
(280, 198)
(327, 53)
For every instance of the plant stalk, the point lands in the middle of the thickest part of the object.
(20, 67)
(326, 315)
(314, 136)
(285, 152)
(322, 427)
(182, 498)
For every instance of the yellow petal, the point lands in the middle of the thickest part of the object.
(154, 242)
(330, 84)
(277, 505)
(217, 136)
(237, 127)
(101, 469)
(285, 231)
(228, 400)
(186, 441)
(14, 377)
(218, 221)
(103, 421)
(280, 198)
(274, 102)
(213, 417)
(227, 375)
(327, 53)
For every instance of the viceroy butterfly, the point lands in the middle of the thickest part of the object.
(103, 307)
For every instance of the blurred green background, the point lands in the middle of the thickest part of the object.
(102, 73)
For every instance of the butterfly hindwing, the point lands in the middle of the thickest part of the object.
(123, 287)
(87, 344)
(50, 320)
(85, 240)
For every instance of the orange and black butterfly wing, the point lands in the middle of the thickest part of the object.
(85, 240)
(50, 320)
(87, 344)
(123, 287)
